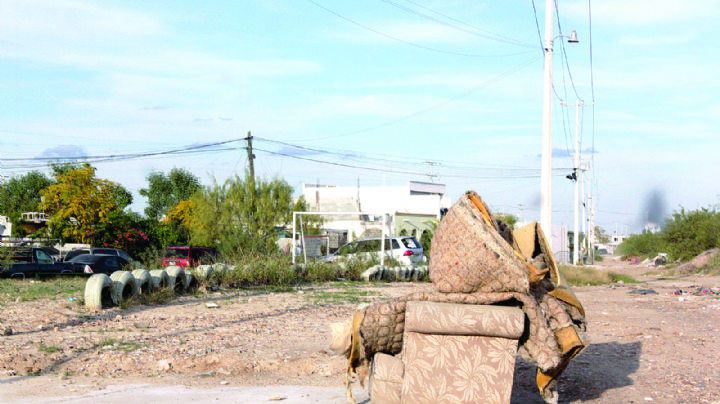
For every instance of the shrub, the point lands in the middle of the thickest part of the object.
(689, 233)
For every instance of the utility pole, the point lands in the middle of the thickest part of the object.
(576, 177)
(546, 156)
(432, 175)
(251, 157)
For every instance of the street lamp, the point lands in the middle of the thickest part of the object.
(546, 157)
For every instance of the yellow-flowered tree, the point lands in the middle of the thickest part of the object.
(80, 203)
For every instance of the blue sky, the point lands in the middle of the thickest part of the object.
(372, 91)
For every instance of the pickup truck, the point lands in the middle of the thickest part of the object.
(31, 262)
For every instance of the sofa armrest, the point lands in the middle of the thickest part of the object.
(386, 379)
(464, 319)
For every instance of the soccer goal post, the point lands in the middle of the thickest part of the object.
(297, 216)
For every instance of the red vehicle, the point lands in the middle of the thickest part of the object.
(185, 257)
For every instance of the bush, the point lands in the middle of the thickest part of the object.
(644, 244)
(690, 233)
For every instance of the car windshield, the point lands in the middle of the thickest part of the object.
(176, 253)
(86, 259)
(107, 251)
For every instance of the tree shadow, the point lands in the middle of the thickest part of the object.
(599, 368)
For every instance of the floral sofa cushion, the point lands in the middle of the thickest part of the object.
(452, 353)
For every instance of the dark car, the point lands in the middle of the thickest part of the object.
(96, 251)
(98, 264)
(31, 262)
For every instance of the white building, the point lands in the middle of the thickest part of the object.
(411, 209)
(5, 227)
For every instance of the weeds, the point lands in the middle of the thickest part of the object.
(30, 289)
(348, 295)
(48, 349)
(580, 276)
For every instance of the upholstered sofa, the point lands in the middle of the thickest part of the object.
(452, 353)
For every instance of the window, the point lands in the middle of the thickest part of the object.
(410, 242)
(112, 262)
(42, 257)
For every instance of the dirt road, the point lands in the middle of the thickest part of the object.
(648, 344)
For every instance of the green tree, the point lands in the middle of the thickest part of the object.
(688, 233)
(242, 215)
(164, 192)
(22, 194)
(80, 202)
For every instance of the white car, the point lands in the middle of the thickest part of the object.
(405, 249)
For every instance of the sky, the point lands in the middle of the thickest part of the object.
(378, 92)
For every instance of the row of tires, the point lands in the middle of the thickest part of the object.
(103, 291)
(407, 274)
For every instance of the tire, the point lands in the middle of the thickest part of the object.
(143, 282)
(99, 292)
(220, 269)
(191, 284)
(177, 279)
(124, 286)
(159, 278)
(203, 272)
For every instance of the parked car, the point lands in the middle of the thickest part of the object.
(96, 251)
(31, 262)
(185, 257)
(89, 264)
(405, 249)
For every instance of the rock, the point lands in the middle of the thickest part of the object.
(211, 305)
(164, 365)
(277, 398)
(8, 331)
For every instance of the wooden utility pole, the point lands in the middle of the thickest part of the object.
(251, 157)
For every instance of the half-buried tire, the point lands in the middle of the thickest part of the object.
(177, 279)
(124, 286)
(191, 284)
(143, 282)
(99, 292)
(159, 278)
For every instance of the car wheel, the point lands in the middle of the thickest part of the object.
(177, 279)
(124, 286)
(160, 279)
(143, 282)
(99, 292)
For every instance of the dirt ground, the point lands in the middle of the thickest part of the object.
(648, 344)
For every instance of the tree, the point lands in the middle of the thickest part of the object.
(80, 204)
(242, 215)
(22, 194)
(165, 192)
(601, 236)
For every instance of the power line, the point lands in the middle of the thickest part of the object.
(464, 94)
(194, 149)
(384, 170)
(482, 33)
(427, 48)
(562, 44)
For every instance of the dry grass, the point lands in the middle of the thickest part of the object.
(581, 276)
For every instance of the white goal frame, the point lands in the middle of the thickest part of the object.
(385, 223)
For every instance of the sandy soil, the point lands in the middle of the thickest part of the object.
(645, 347)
